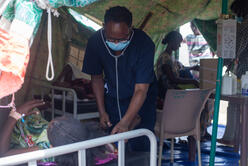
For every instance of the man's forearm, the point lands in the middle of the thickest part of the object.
(98, 89)
(136, 103)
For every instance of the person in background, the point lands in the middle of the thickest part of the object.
(168, 71)
(239, 66)
(168, 74)
(120, 59)
(197, 46)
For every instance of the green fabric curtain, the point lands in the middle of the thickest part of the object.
(159, 47)
(208, 28)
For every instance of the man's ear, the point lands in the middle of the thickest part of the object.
(103, 25)
(131, 28)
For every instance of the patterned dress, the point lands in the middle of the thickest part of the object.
(34, 130)
(165, 59)
(163, 82)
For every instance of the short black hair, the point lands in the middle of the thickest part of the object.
(173, 35)
(118, 14)
(240, 8)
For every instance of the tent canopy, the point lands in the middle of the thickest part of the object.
(156, 17)
(159, 16)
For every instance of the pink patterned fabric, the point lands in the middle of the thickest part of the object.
(109, 158)
(14, 57)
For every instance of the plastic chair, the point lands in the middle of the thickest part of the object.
(181, 117)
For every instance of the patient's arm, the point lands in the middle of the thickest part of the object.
(177, 80)
(8, 128)
(65, 77)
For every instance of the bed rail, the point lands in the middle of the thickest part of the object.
(32, 157)
(76, 115)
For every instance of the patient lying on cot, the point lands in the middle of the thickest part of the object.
(72, 77)
(31, 132)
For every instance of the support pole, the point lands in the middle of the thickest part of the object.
(217, 97)
(216, 111)
(224, 6)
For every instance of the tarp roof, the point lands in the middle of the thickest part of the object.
(159, 16)
(162, 16)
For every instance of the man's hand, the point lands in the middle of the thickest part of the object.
(104, 120)
(26, 107)
(120, 127)
(196, 83)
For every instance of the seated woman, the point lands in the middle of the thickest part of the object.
(25, 134)
(72, 77)
(168, 74)
(167, 71)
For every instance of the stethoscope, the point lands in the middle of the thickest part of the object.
(116, 69)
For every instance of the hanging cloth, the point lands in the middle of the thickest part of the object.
(14, 49)
(14, 57)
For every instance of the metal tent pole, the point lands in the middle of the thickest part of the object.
(217, 97)
(216, 111)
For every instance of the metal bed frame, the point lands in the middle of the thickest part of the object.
(76, 114)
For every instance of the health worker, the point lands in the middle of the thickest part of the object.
(120, 60)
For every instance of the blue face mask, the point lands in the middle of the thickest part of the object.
(118, 46)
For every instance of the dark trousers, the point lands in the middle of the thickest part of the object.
(139, 143)
(148, 119)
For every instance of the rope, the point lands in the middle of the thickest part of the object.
(44, 4)
(49, 39)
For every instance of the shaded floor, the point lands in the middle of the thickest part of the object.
(224, 154)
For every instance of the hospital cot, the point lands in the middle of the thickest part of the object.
(65, 101)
